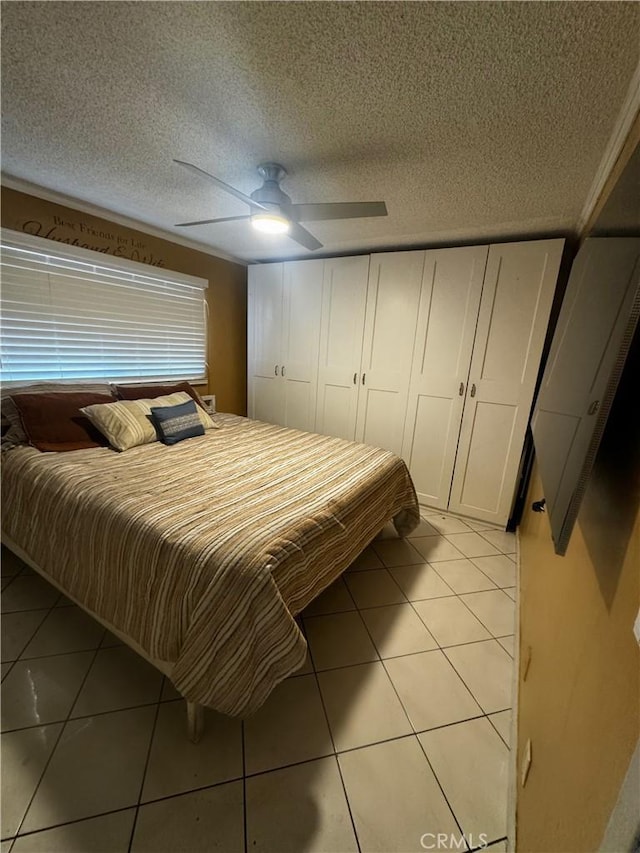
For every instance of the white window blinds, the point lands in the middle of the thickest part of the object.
(69, 313)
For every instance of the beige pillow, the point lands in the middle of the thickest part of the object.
(128, 423)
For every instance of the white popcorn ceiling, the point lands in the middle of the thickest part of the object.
(472, 121)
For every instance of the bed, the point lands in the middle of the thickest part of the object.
(200, 554)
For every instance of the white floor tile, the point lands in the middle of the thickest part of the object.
(305, 669)
(472, 544)
(480, 525)
(499, 568)
(397, 630)
(176, 765)
(119, 678)
(4, 669)
(66, 629)
(335, 599)
(42, 690)
(290, 727)
(430, 690)
(394, 797)
(96, 767)
(362, 706)
(200, 822)
(10, 564)
(28, 592)
(396, 552)
(419, 582)
(374, 589)
(462, 576)
(503, 541)
(502, 723)
(494, 609)
(24, 756)
(423, 529)
(388, 532)
(106, 834)
(299, 809)
(486, 669)
(450, 622)
(110, 640)
(169, 692)
(444, 524)
(17, 629)
(511, 592)
(434, 548)
(339, 640)
(472, 765)
(508, 643)
(367, 560)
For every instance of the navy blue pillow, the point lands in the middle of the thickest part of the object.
(175, 423)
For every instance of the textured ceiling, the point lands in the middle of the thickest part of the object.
(471, 120)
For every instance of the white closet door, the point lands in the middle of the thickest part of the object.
(301, 326)
(514, 312)
(451, 288)
(344, 298)
(265, 391)
(596, 308)
(393, 299)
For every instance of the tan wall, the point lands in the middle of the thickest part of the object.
(226, 295)
(580, 703)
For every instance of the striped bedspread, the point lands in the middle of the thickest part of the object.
(204, 551)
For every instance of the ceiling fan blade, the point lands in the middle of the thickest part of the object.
(209, 221)
(232, 190)
(302, 236)
(337, 210)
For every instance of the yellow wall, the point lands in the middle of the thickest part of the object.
(226, 295)
(580, 703)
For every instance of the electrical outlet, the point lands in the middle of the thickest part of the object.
(210, 402)
(526, 763)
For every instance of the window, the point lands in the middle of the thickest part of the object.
(70, 313)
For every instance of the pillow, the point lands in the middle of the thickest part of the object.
(13, 432)
(175, 423)
(54, 421)
(129, 423)
(145, 392)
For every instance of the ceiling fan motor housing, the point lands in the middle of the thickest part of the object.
(270, 193)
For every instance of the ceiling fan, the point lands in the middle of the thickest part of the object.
(272, 211)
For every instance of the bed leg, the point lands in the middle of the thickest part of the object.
(195, 721)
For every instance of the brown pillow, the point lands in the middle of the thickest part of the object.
(144, 392)
(54, 421)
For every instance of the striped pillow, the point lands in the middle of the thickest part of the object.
(175, 423)
(129, 423)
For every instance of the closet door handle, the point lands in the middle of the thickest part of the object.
(461, 389)
(275, 370)
(355, 378)
(364, 376)
(282, 371)
(473, 390)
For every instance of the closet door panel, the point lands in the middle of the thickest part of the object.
(344, 297)
(514, 312)
(265, 293)
(393, 298)
(301, 326)
(451, 288)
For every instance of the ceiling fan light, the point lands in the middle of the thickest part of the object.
(270, 223)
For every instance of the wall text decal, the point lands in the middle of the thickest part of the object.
(85, 236)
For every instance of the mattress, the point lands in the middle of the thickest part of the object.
(203, 552)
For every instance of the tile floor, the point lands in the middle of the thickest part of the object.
(396, 729)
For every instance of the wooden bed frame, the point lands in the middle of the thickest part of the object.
(195, 712)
